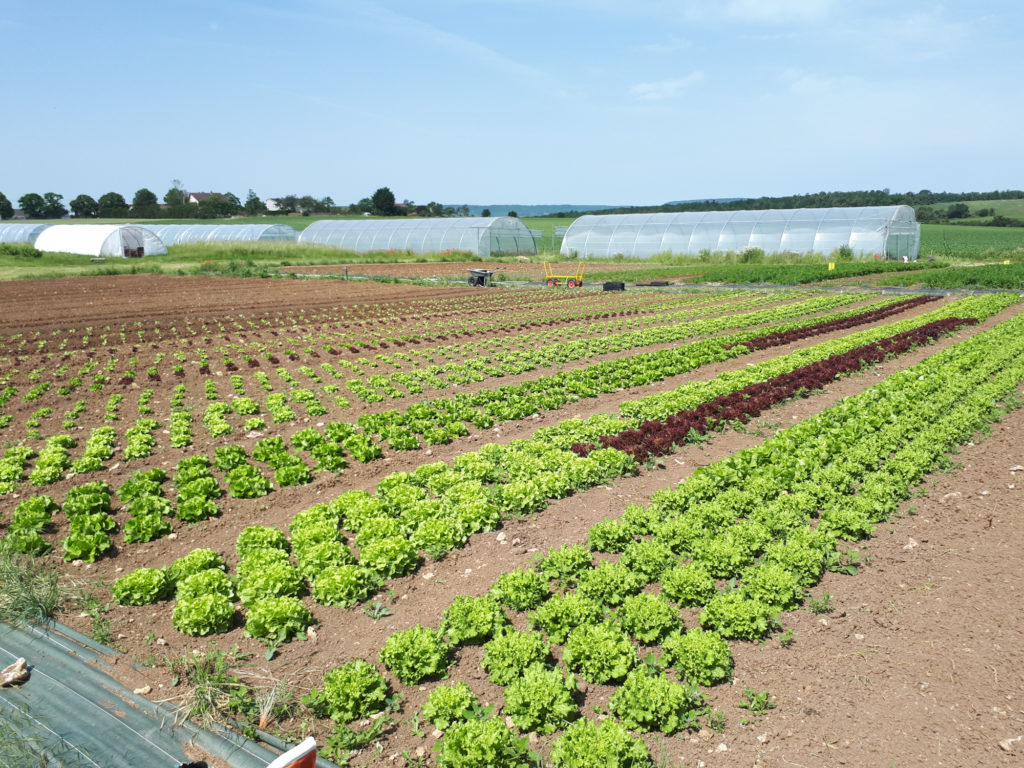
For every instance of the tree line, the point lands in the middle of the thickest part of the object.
(176, 205)
(383, 203)
(918, 200)
(146, 205)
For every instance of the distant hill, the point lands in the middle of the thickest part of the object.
(921, 201)
(706, 200)
(502, 209)
(918, 200)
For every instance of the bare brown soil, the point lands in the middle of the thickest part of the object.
(918, 664)
(73, 302)
(458, 269)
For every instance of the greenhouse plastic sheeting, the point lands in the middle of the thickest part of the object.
(176, 234)
(20, 232)
(479, 235)
(71, 712)
(99, 240)
(882, 231)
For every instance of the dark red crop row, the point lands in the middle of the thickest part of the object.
(658, 437)
(785, 337)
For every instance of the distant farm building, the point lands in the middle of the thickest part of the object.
(198, 197)
(884, 231)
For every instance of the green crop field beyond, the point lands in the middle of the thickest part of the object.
(950, 242)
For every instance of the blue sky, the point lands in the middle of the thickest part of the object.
(511, 101)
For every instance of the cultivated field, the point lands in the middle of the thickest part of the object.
(972, 243)
(449, 526)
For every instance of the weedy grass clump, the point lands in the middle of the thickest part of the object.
(32, 589)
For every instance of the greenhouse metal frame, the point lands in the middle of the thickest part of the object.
(176, 234)
(482, 236)
(875, 231)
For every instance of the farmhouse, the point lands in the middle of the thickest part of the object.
(198, 197)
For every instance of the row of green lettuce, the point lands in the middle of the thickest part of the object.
(740, 540)
(50, 392)
(440, 420)
(434, 525)
(432, 510)
(778, 274)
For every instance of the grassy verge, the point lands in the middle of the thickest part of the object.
(30, 590)
(195, 258)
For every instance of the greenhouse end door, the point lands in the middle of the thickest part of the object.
(900, 246)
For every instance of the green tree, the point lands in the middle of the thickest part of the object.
(513, 214)
(219, 206)
(383, 202)
(176, 195)
(112, 205)
(253, 205)
(486, 213)
(32, 205)
(288, 204)
(84, 207)
(1005, 221)
(6, 209)
(144, 198)
(958, 211)
(54, 207)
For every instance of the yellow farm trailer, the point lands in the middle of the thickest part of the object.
(570, 281)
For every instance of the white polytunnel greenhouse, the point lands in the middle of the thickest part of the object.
(176, 234)
(490, 236)
(122, 240)
(878, 231)
(21, 231)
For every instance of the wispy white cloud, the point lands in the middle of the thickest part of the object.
(778, 11)
(672, 44)
(445, 40)
(660, 90)
(377, 18)
(812, 84)
(759, 12)
(920, 35)
(453, 42)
